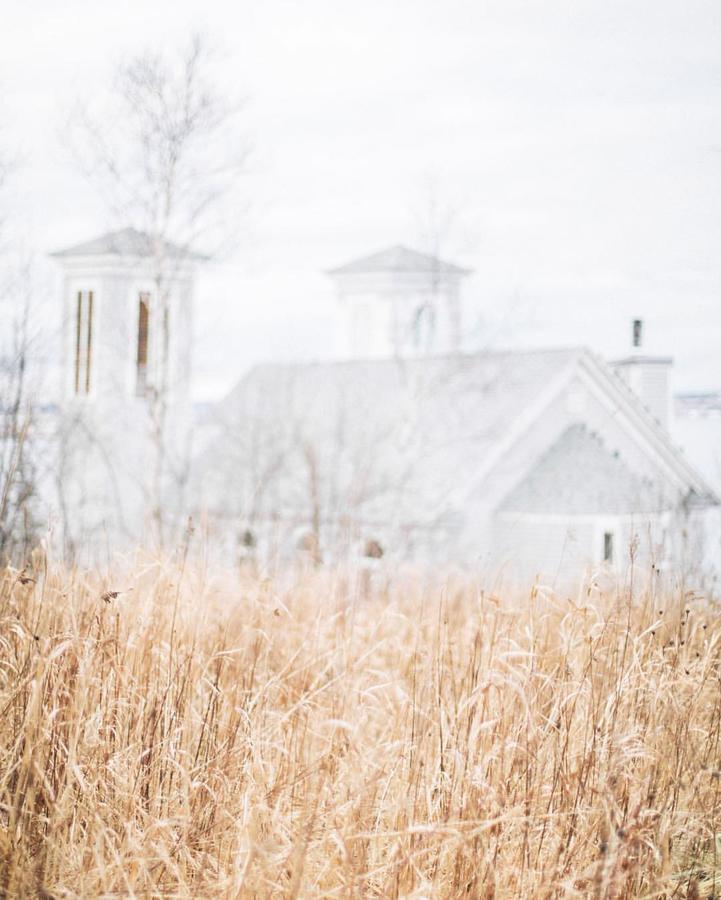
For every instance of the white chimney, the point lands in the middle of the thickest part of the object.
(649, 377)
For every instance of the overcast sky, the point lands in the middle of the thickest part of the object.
(581, 142)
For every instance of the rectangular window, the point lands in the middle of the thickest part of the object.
(83, 342)
(142, 344)
(608, 547)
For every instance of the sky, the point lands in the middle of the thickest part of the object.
(578, 142)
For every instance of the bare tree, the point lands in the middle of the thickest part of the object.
(447, 224)
(17, 465)
(166, 151)
(324, 463)
(18, 408)
(438, 221)
(438, 217)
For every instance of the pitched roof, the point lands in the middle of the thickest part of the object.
(560, 482)
(656, 437)
(413, 440)
(399, 259)
(388, 434)
(417, 451)
(126, 242)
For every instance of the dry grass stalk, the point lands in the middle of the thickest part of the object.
(162, 734)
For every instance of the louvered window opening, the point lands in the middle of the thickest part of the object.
(83, 342)
(142, 344)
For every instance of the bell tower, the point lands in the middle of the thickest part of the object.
(398, 303)
(126, 354)
(116, 323)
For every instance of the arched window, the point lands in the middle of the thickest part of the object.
(309, 546)
(247, 546)
(423, 326)
(373, 549)
(248, 540)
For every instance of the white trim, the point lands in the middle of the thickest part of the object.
(638, 423)
(579, 518)
(349, 283)
(522, 424)
(628, 412)
(101, 266)
(139, 286)
(74, 286)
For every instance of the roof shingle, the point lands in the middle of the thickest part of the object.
(126, 242)
(399, 259)
(580, 475)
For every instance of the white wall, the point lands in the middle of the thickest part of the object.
(535, 545)
(376, 315)
(105, 449)
(559, 550)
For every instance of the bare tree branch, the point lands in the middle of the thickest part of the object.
(166, 150)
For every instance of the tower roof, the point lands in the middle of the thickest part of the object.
(126, 242)
(399, 259)
(426, 434)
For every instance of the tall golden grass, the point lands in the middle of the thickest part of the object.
(201, 737)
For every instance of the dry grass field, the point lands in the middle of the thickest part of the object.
(198, 736)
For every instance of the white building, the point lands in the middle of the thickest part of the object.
(398, 303)
(127, 346)
(696, 426)
(533, 463)
(529, 463)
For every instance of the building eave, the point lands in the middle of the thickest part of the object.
(656, 438)
(383, 262)
(642, 360)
